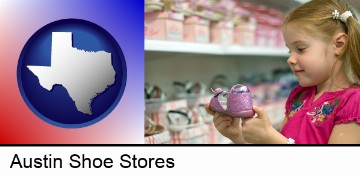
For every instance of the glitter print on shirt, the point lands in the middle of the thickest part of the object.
(324, 112)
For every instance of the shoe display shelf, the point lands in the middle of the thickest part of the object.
(157, 111)
(210, 48)
(205, 131)
(161, 138)
(202, 132)
(193, 135)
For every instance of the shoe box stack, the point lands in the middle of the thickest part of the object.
(224, 22)
(164, 24)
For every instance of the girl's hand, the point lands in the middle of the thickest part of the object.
(228, 126)
(257, 129)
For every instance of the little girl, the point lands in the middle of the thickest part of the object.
(323, 37)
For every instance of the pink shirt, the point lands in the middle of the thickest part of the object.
(312, 122)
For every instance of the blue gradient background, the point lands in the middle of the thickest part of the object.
(122, 19)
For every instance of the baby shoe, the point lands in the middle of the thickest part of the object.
(238, 102)
(183, 118)
(151, 128)
(189, 89)
(221, 81)
(154, 93)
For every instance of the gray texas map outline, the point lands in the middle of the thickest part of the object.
(84, 74)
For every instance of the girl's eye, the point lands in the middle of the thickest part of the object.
(301, 49)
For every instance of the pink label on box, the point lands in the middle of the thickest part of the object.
(261, 37)
(245, 38)
(196, 32)
(189, 32)
(226, 36)
(272, 37)
(244, 34)
(151, 32)
(155, 29)
(174, 30)
(221, 36)
(202, 33)
(249, 38)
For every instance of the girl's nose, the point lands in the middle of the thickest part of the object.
(291, 60)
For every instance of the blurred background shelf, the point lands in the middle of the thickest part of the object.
(215, 49)
(182, 47)
(257, 51)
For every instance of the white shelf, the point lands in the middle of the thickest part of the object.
(255, 50)
(205, 48)
(301, 1)
(181, 46)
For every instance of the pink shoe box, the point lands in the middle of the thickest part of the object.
(221, 32)
(161, 138)
(196, 135)
(196, 29)
(275, 22)
(165, 25)
(272, 35)
(244, 33)
(263, 26)
(275, 19)
(244, 26)
(158, 111)
(279, 41)
(262, 33)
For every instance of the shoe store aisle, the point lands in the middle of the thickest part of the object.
(194, 47)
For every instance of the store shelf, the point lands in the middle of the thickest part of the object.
(181, 46)
(216, 49)
(259, 51)
(301, 1)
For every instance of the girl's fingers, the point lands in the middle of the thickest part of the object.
(208, 110)
(218, 117)
(223, 124)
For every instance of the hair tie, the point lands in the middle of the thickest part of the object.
(343, 17)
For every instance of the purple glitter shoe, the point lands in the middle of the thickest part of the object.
(238, 102)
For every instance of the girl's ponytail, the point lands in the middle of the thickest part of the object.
(352, 51)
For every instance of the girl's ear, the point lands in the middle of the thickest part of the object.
(340, 41)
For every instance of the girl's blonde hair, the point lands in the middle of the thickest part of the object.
(316, 15)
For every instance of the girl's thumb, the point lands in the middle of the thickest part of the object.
(259, 111)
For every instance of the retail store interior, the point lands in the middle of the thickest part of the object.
(192, 47)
